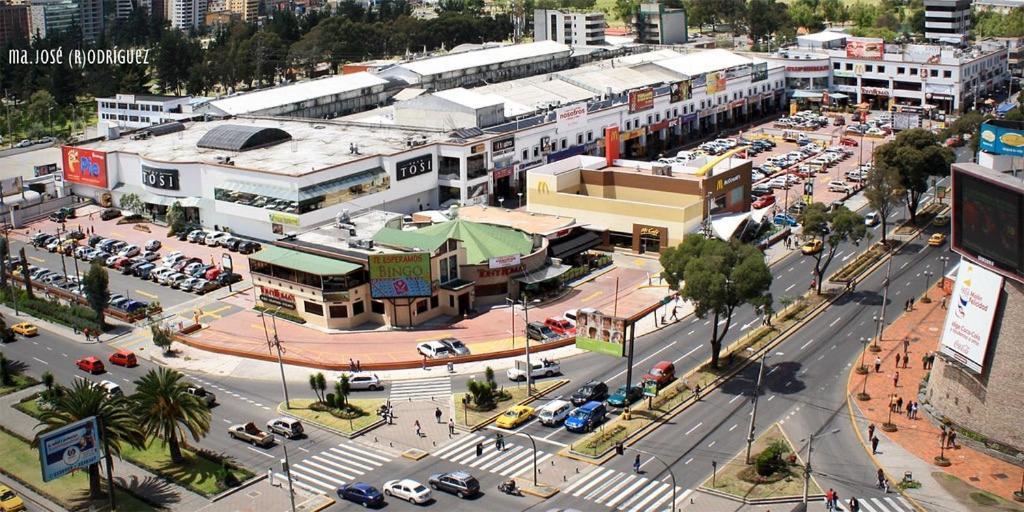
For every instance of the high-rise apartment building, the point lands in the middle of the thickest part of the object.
(568, 27)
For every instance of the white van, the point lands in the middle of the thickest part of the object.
(554, 412)
(111, 389)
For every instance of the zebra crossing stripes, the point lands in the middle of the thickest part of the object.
(513, 461)
(421, 389)
(886, 504)
(324, 472)
(623, 491)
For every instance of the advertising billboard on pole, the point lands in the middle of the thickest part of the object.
(969, 318)
(70, 447)
(400, 275)
(601, 333)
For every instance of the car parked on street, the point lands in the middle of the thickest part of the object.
(408, 490)
(459, 483)
(90, 364)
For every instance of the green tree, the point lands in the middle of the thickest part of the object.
(489, 377)
(717, 277)
(4, 255)
(765, 18)
(6, 334)
(625, 9)
(6, 371)
(318, 383)
(175, 218)
(863, 14)
(162, 337)
(131, 203)
(41, 106)
(118, 423)
(915, 155)
(48, 380)
(834, 228)
(482, 393)
(97, 290)
(804, 16)
(834, 11)
(883, 191)
(166, 410)
(342, 388)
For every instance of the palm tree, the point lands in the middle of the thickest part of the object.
(341, 390)
(318, 383)
(166, 409)
(117, 423)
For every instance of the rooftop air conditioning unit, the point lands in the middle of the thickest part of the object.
(661, 170)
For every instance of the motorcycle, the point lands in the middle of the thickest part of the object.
(509, 487)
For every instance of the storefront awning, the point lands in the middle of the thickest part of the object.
(260, 189)
(839, 96)
(189, 202)
(800, 95)
(727, 226)
(547, 273)
(574, 244)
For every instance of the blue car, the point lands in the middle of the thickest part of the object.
(361, 493)
(783, 219)
(586, 417)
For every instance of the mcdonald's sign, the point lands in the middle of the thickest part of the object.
(611, 144)
(542, 188)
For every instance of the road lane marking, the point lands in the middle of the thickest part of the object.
(695, 427)
(733, 427)
(592, 295)
(688, 461)
(790, 269)
(37, 260)
(770, 398)
(146, 294)
(904, 265)
(270, 456)
(808, 343)
(225, 420)
(790, 287)
(40, 360)
(737, 397)
(834, 322)
(712, 444)
(691, 332)
(687, 354)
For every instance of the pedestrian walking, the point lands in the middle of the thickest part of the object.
(878, 364)
(437, 414)
(636, 464)
(675, 313)
(696, 392)
(942, 303)
(874, 445)
(913, 415)
(835, 501)
(499, 442)
(906, 305)
(270, 476)
(952, 438)
(906, 344)
(419, 432)
(854, 505)
(829, 500)
(910, 409)
(896, 380)
(897, 359)
(911, 303)
(924, 360)
(942, 436)
(899, 404)
(351, 365)
(451, 427)
(359, 366)
(424, 362)
(906, 360)
(479, 449)
(881, 478)
(871, 431)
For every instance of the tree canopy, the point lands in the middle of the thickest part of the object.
(97, 289)
(883, 191)
(915, 155)
(833, 227)
(717, 277)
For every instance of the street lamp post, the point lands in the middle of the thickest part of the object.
(288, 474)
(863, 395)
(753, 404)
(526, 321)
(519, 204)
(927, 279)
(889, 426)
(944, 260)
(807, 463)
(534, 443)
(885, 300)
(667, 468)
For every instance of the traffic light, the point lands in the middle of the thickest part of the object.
(619, 449)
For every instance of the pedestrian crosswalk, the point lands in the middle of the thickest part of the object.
(630, 492)
(513, 461)
(886, 504)
(324, 472)
(421, 389)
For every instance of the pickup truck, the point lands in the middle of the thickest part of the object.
(542, 368)
(252, 434)
(203, 395)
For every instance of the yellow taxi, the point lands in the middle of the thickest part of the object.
(25, 329)
(937, 239)
(515, 416)
(10, 502)
(812, 247)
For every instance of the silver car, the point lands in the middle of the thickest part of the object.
(364, 381)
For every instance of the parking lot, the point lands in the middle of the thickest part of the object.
(127, 248)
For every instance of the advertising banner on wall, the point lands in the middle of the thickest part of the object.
(759, 72)
(929, 54)
(276, 297)
(503, 261)
(423, 164)
(969, 318)
(865, 48)
(641, 100)
(680, 91)
(154, 177)
(713, 83)
(403, 275)
(85, 166)
(611, 144)
(69, 448)
(600, 333)
(1001, 140)
(571, 118)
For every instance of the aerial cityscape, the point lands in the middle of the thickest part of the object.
(552, 256)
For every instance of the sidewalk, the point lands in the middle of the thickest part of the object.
(126, 474)
(264, 496)
(915, 444)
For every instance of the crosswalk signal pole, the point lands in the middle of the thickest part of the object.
(288, 474)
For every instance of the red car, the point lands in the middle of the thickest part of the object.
(124, 358)
(763, 201)
(846, 141)
(663, 373)
(560, 326)
(90, 364)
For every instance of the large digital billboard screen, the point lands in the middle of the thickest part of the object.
(986, 219)
(85, 166)
(400, 275)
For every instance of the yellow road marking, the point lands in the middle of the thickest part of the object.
(258, 327)
(115, 233)
(144, 294)
(639, 261)
(37, 260)
(591, 296)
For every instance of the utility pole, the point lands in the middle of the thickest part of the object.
(288, 474)
(753, 402)
(276, 343)
(807, 468)
(885, 299)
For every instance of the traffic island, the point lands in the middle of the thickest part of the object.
(775, 474)
(346, 423)
(470, 416)
(541, 491)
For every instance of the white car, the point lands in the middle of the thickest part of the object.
(153, 245)
(129, 250)
(871, 219)
(433, 349)
(172, 258)
(409, 490)
(214, 239)
(367, 381)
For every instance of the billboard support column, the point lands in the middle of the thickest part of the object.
(110, 469)
(629, 361)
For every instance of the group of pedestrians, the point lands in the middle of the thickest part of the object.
(911, 409)
(947, 437)
(832, 502)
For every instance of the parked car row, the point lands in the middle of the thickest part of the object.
(805, 119)
(220, 239)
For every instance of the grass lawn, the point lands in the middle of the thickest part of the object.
(19, 382)
(972, 497)
(300, 409)
(29, 407)
(70, 491)
(197, 473)
(730, 475)
(470, 418)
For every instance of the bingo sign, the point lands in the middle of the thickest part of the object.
(69, 448)
(400, 275)
(85, 166)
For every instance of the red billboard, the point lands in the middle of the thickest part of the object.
(642, 99)
(611, 144)
(85, 166)
(865, 49)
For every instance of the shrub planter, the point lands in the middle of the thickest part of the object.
(889, 427)
(942, 462)
(863, 397)
(862, 370)
(875, 348)
(1018, 496)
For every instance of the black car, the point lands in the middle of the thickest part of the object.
(361, 493)
(760, 190)
(110, 213)
(459, 483)
(247, 247)
(93, 240)
(226, 279)
(593, 391)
